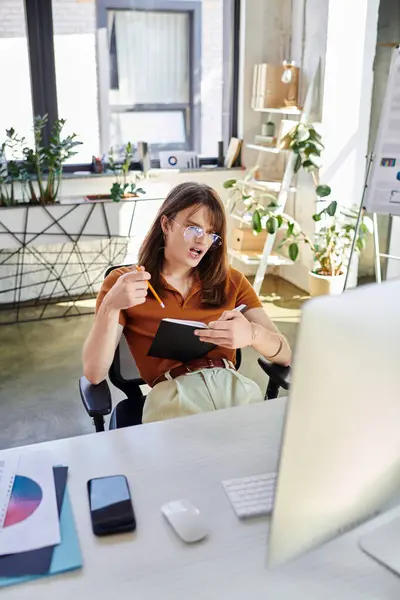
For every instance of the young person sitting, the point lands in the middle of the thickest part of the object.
(185, 256)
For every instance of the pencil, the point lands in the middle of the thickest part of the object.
(156, 296)
(153, 291)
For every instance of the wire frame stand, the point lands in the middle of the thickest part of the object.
(377, 253)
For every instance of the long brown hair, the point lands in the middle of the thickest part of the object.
(213, 268)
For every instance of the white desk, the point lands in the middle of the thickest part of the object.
(188, 457)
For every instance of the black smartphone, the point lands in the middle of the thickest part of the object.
(111, 507)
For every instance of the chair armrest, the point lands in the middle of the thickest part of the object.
(96, 398)
(282, 376)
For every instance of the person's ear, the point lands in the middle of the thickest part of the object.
(164, 224)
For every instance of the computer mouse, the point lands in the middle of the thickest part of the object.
(185, 519)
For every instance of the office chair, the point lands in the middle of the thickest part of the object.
(124, 375)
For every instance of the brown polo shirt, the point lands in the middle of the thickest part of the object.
(141, 322)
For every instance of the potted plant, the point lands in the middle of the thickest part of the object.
(11, 172)
(249, 204)
(42, 165)
(307, 144)
(335, 229)
(121, 189)
(330, 246)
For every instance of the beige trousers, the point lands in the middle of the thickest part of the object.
(201, 391)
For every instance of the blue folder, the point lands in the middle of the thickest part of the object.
(66, 555)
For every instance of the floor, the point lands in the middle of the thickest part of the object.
(40, 365)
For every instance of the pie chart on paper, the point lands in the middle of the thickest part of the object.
(26, 496)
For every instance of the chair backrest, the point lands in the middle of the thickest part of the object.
(123, 371)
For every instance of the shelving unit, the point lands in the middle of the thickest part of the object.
(286, 185)
(253, 258)
(260, 260)
(261, 148)
(288, 110)
(250, 261)
(267, 186)
(242, 221)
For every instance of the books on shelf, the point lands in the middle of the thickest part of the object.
(232, 152)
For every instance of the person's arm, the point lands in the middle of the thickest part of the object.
(266, 338)
(118, 293)
(254, 328)
(234, 330)
(101, 343)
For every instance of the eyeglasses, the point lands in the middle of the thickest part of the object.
(194, 232)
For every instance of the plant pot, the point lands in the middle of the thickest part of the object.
(103, 197)
(323, 285)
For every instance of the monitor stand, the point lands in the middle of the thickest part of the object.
(383, 544)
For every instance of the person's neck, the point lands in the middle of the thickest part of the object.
(177, 272)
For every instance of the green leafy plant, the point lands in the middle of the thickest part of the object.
(306, 143)
(10, 170)
(330, 245)
(332, 242)
(127, 190)
(243, 201)
(42, 165)
(121, 188)
(335, 226)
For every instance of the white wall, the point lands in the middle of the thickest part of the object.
(345, 35)
(347, 96)
(264, 37)
(309, 37)
(309, 40)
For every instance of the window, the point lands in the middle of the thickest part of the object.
(161, 73)
(158, 71)
(15, 98)
(74, 27)
(149, 77)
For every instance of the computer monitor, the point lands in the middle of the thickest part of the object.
(340, 456)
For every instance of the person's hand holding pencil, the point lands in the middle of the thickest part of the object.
(131, 290)
(153, 291)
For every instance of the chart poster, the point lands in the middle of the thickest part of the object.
(383, 191)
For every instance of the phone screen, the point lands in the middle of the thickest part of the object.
(110, 505)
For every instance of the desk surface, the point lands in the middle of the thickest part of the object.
(189, 457)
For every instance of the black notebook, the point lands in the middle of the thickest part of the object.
(176, 340)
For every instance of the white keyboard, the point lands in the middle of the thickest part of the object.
(251, 496)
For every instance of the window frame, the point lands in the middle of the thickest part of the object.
(192, 110)
(40, 38)
(39, 28)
